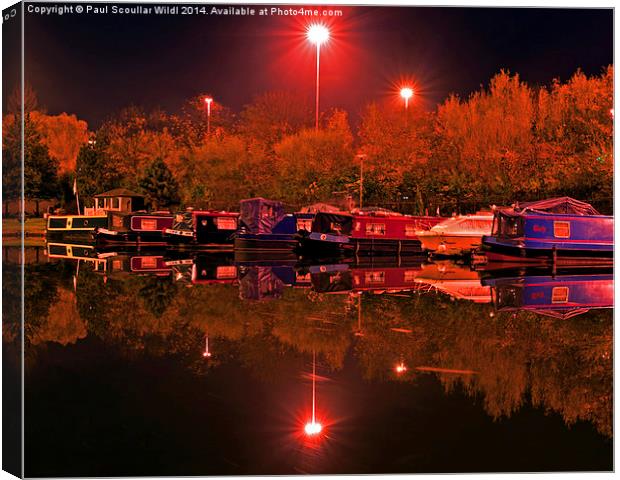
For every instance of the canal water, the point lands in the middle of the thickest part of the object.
(177, 364)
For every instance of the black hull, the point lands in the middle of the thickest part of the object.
(359, 247)
(149, 239)
(270, 245)
(56, 235)
(508, 254)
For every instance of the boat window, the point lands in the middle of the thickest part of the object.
(471, 224)
(410, 276)
(226, 223)
(510, 226)
(358, 226)
(117, 265)
(410, 230)
(559, 295)
(336, 227)
(148, 224)
(375, 278)
(226, 272)
(375, 229)
(148, 262)
(561, 229)
(304, 224)
(117, 221)
(302, 278)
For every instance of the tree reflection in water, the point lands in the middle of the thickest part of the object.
(505, 358)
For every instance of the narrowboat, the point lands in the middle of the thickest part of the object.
(77, 252)
(358, 278)
(562, 295)
(71, 251)
(265, 282)
(559, 230)
(203, 228)
(204, 270)
(264, 226)
(457, 281)
(364, 233)
(459, 235)
(117, 200)
(121, 264)
(134, 229)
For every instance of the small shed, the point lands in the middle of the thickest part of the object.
(119, 200)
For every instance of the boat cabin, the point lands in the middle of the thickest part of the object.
(117, 200)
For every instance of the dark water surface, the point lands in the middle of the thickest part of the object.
(177, 364)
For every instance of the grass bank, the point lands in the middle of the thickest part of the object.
(33, 227)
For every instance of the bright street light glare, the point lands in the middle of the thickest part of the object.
(317, 34)
(313, 428)
(406, 93)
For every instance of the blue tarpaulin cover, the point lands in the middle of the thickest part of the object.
(259, 215)
(560, 205)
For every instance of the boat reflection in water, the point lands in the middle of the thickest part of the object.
(562, 294)
(410, 359)
(458, 281)
(357, 277)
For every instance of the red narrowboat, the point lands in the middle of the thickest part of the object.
(364, 233)
(134, 229)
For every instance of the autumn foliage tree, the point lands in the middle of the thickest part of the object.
(159, 186)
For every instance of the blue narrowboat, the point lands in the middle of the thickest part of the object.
(560, 230)
(265, 226)
(562, 295)
(268, 282)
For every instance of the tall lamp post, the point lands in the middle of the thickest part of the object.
(317, 34)
(208, 101)
(361, 157)
(406, 93)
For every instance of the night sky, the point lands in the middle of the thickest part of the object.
(94, 65)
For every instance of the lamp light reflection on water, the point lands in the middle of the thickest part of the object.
(400, 368)
(313, 428)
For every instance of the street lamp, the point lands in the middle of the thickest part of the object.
(208, 101)
(317, 34)
(361, 157)
(406, 93)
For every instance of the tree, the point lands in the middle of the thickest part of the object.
(159, 185)
(311, 165)
(12, 146)
(95, 171)
(273, 115)
(63, 135)
(40, 169)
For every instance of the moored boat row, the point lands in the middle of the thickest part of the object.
(561, 230)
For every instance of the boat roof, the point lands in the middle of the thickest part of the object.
(214, 213)
(319, 207)
(466, 224)
(119, 192)
(561, 205)
(378, 211)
